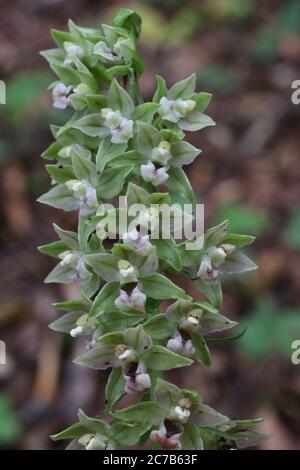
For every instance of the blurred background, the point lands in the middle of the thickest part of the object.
(247, 53)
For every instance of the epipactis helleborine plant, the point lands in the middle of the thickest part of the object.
(116, 144)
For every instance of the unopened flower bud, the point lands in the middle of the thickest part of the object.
(93, 442)
(112, 118)
(184, 106)
(83, 89)
(65, 152)
(162, 153)
(76, 331)
(217, 255)
(68, 258)
(126, 271)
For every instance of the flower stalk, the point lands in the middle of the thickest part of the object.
(138, 322)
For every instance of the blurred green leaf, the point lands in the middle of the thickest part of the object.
(270, 330)
(231, 9)
(9, 424)
(244, 220)
(292, 232)
(22, 93)
(287, 22)
(186, 23)
(168, 4)
(217, 78)
(4, 151)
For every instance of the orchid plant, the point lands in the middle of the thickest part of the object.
(137, 321)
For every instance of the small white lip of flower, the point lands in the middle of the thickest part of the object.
(160, 437)
(139, 383)
(76, 331)
(134, 238)
(182, 413)
(162, 153)
(138, 298)
(123, 133)
(60, 96)
(154, 175)
(143, 381)
(174, 110)
(168, 110)
(193, 320)
(76, 186)
(86, 193)
(126, 269)
(188, 348)
(135, 300)
(175, 345)
(91, 196)
(90, 445)
(68, 258)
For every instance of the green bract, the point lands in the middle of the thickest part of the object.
(117, 145)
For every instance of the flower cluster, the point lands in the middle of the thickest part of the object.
(116, 144)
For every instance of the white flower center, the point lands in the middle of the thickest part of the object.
(76, 331)
(182, 413)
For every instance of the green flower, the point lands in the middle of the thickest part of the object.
(192, 321)
(184, 411)
(181, 107)
(114, 120)
(117, 47)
